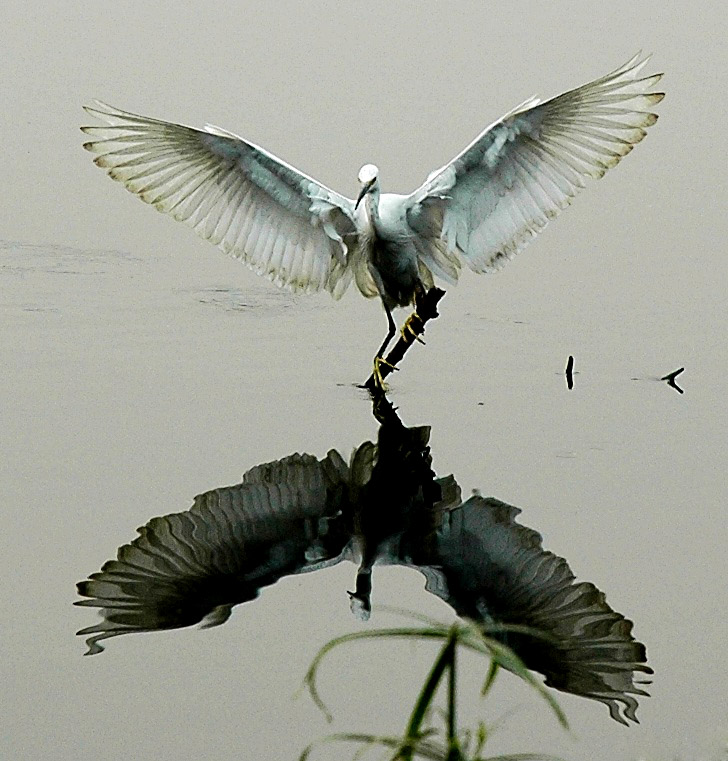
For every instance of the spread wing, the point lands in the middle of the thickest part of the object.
(504, 188)
(194, 566)
(493, 570)
(255, 207)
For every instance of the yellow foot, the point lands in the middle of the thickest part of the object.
(408, 330)
(378, 362)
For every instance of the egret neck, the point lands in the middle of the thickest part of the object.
(369, 193)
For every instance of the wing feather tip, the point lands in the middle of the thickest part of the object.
(94, 109)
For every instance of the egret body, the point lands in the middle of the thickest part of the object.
(388, 248)
(480, 209)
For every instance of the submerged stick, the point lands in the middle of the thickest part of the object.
(426, 311)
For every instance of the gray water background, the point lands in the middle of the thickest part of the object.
(141, 367)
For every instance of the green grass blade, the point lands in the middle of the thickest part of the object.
(420, 746)
(520, 757)
(309, 679)
(414, 616)
(493, 670)
(428, 691)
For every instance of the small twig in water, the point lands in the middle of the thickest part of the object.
(670, 378)
(570, 373)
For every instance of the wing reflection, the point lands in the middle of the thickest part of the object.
(386, 506)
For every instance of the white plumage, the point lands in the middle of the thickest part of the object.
(479, 209)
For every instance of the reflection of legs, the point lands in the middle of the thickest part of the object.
(379, 358)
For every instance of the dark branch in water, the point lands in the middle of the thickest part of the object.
(426, 311)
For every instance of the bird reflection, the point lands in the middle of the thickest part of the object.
(385, 506)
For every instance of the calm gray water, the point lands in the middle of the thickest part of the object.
(141, 367)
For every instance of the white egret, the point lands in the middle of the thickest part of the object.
(480, 209)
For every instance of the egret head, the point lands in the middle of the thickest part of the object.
(369, 179)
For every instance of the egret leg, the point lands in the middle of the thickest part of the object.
(391, 330)
(379, 358)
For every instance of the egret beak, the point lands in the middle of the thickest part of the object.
(364, 190)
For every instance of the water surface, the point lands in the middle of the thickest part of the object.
(141, 367)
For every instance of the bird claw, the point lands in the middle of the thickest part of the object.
(409, 330)
(378, 361)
